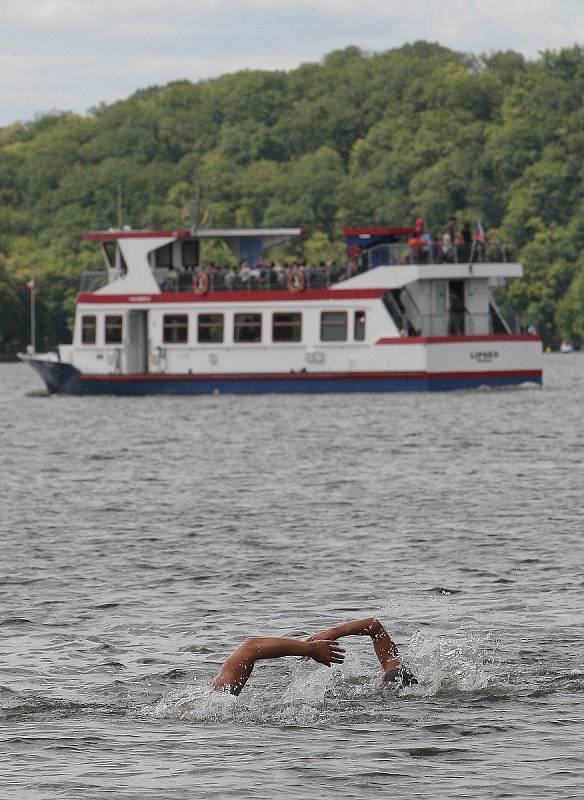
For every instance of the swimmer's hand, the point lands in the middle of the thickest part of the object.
(325, 652)
(327, 635)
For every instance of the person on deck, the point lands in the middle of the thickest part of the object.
(321, 647)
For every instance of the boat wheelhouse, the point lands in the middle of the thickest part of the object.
(401, 314)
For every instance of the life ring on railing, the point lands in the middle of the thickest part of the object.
(200, 283)
(296, 281)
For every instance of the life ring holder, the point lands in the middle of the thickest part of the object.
(200, 283)
(296, 281)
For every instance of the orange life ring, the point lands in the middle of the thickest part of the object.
(200, 283)
(296, 281)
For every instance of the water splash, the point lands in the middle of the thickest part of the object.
(196, 704)
(460, 661)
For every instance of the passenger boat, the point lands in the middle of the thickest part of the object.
(396, 317)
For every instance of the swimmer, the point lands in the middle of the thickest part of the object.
(385, 648)
(320, 647)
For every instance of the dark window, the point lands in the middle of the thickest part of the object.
(190, 253)
(247, 328)
(113, 329)
(287, 327)
(359, 326)
(333, 326)
(210, 328)
(109, 248)
(175, 329)
(164, 256)
(88, 329)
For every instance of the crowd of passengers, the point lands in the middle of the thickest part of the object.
(451, 245)
(264, 275)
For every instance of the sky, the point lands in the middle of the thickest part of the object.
(71, 55)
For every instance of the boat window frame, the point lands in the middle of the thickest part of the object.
(208, 327)
(175, 327)
(360, 327)
(159, 256)
(237, 326)
(184, 248)
(108, 327)
(278, 325)
(324, 325)
(84, 328)
(110, 250)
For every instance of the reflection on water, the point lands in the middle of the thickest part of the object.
(143, 539)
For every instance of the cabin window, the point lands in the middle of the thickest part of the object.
(210, 328)
(88, 329)
(109, 248)
(359, 326)
(333, 326)
(113, 328)
(164, 256)
(247, 328)
(190, 253)
(287, 327)
(175, 329)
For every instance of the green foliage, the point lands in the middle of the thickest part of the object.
(357, 139)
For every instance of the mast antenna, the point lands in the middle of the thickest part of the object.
(196, 218)
(120, 215)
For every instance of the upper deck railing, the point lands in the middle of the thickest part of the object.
(433, 253)
(296, 277)
(92, 281)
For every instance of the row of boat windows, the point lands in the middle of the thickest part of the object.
(247, 328)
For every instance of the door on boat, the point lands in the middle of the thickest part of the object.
(137, 342)
(456, 314)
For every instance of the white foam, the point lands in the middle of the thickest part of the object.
(464, 660)
(195, 703)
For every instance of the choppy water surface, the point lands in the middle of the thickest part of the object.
(142, 539)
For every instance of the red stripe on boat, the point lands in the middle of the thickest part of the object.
(315, 376)
(495, 337)
(281, 296)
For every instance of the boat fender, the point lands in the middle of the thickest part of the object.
(200, 283)
(296, 281)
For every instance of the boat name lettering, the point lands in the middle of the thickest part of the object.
(140, 298)
(484, 355)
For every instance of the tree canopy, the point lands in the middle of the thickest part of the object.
(359, 138)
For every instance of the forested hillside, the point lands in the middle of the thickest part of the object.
(356, 139)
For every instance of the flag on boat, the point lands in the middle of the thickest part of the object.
(31, 284)
(480, 235)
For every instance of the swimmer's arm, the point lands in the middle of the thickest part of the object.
(385, 648)
(236, 670)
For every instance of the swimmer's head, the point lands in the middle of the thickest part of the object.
(401, 676)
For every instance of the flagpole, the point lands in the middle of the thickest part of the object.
(32, 285)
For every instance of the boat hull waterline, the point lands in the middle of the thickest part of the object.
(63, 378)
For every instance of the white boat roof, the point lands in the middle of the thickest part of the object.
(113, 234)
(396, 276)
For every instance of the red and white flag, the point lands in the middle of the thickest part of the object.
(31, 284)
(480, 235)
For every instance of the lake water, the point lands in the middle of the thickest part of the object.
(142, 539)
